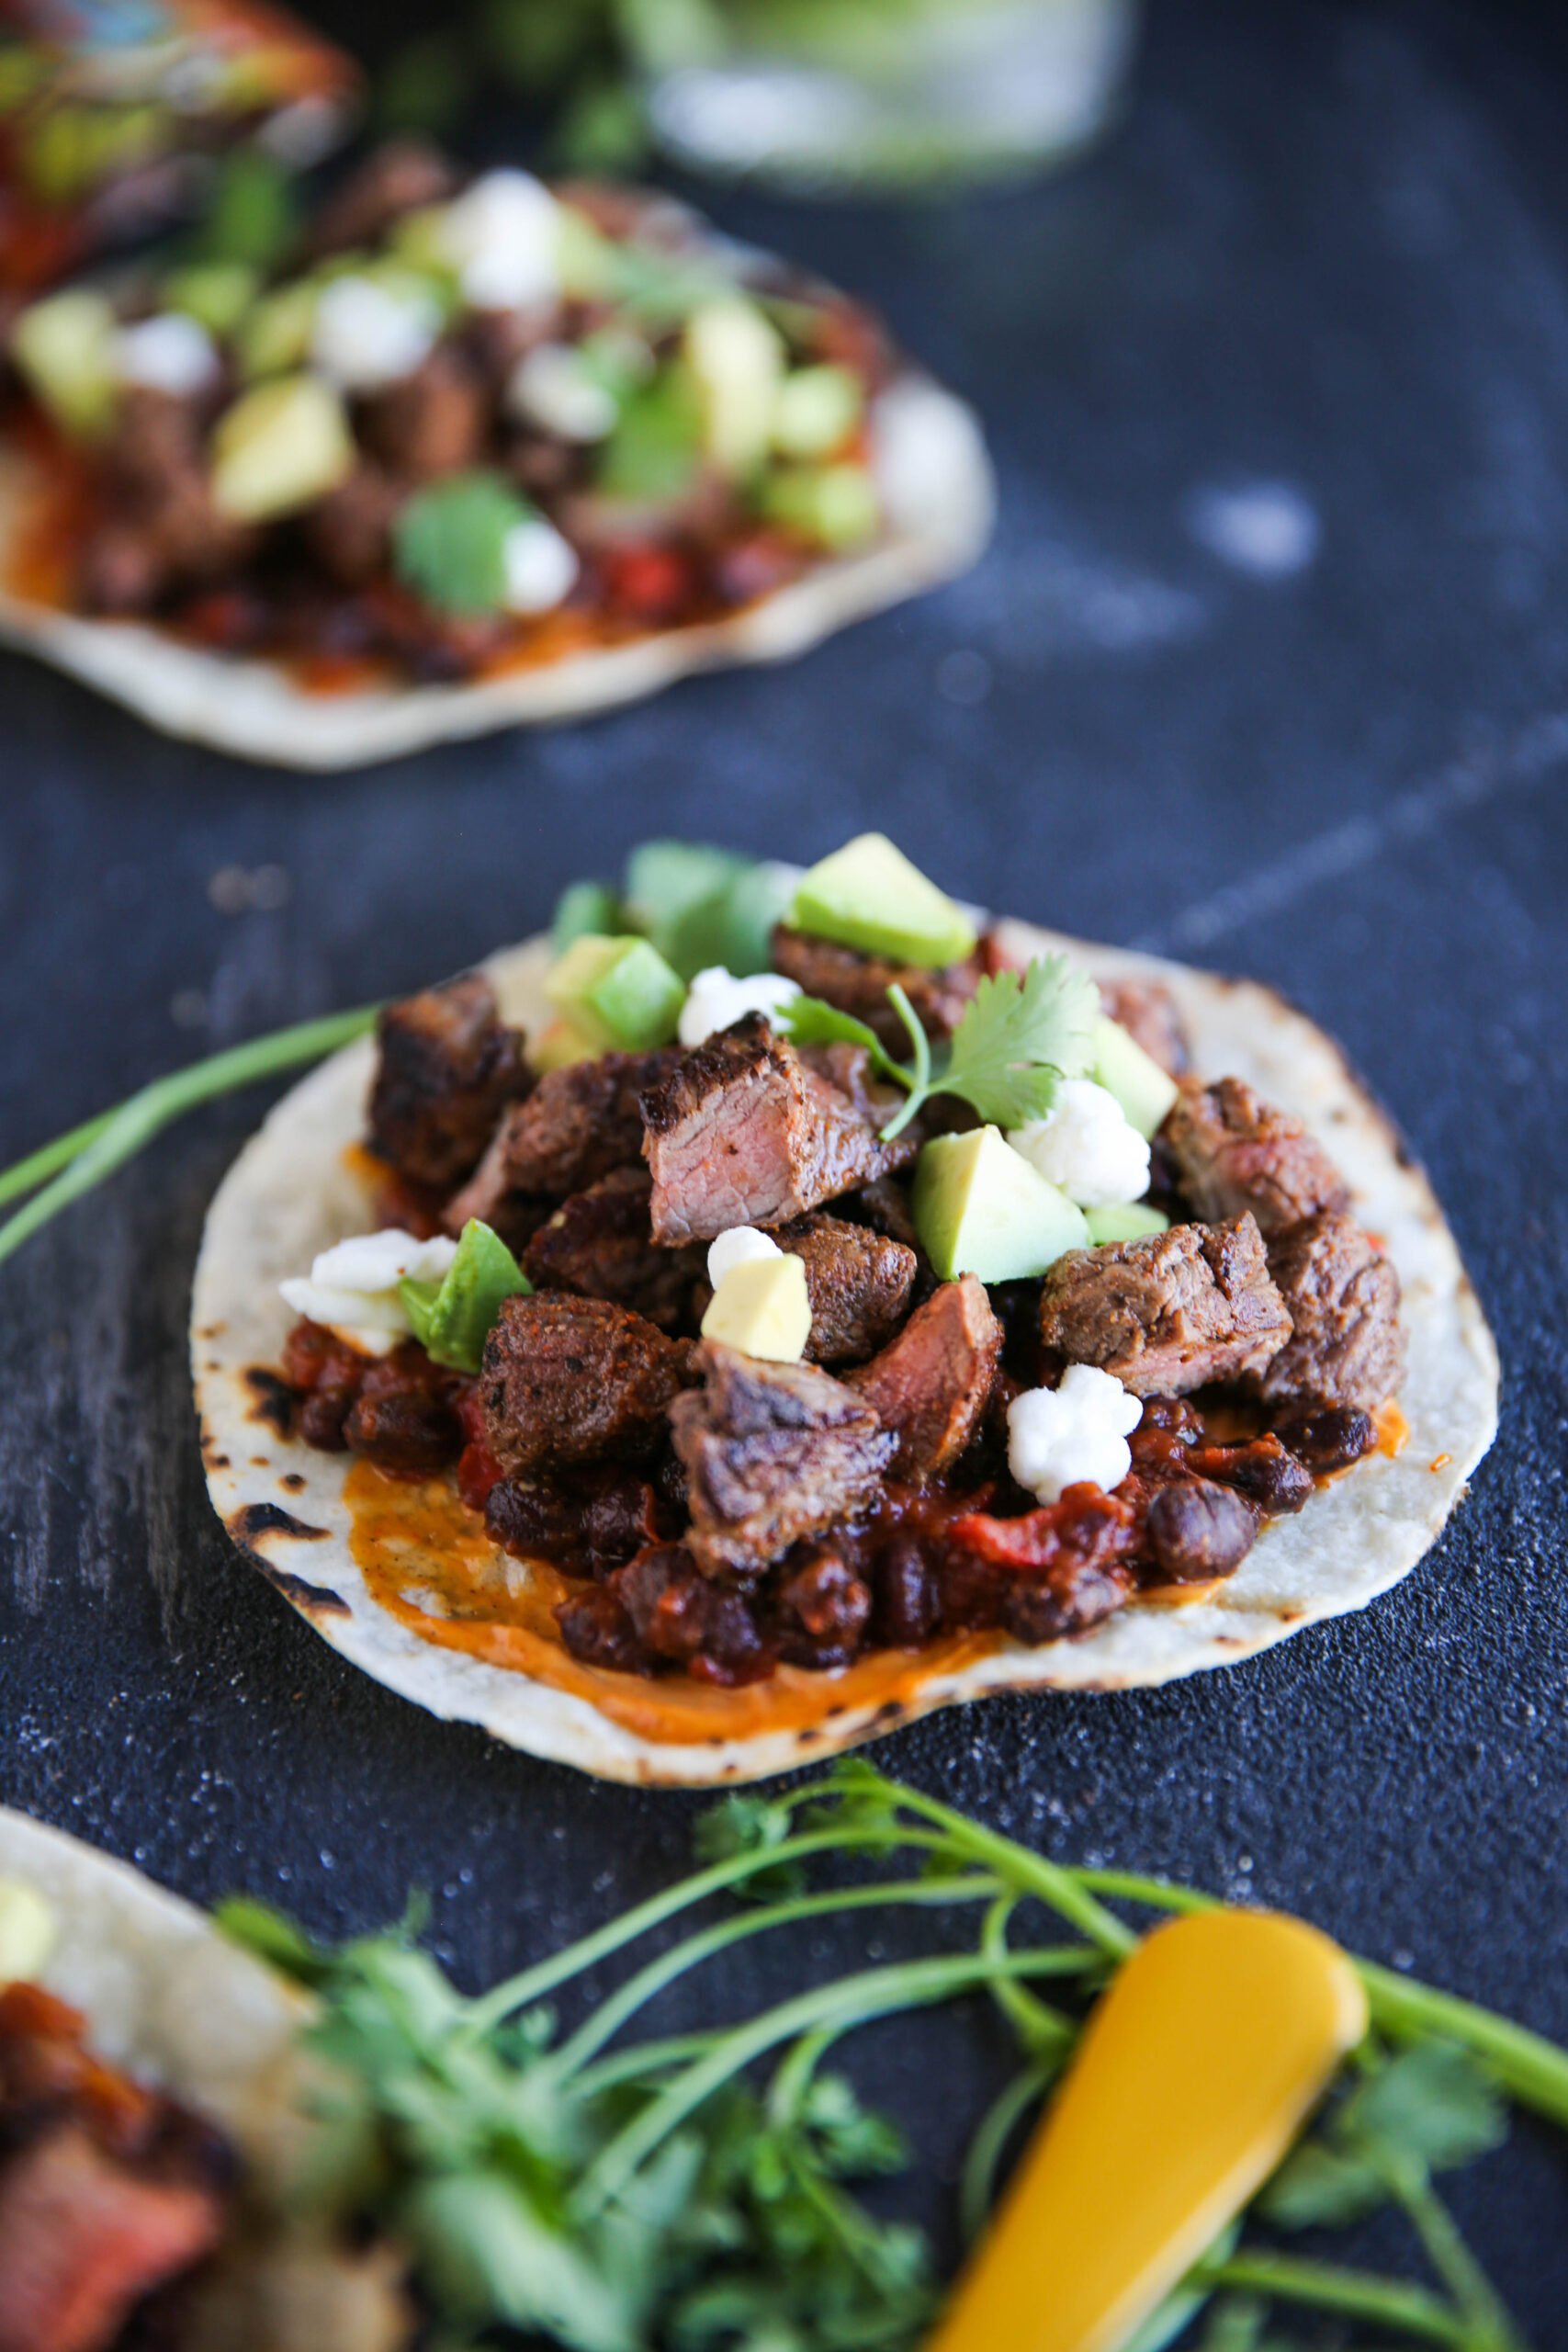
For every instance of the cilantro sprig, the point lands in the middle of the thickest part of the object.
(614, 2193)
(449, 542)
(1020, 1034)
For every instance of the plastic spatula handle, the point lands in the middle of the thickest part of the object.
(1194, 2075)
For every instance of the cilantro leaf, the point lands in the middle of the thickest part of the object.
(258, 1929)
(253, 214)
(1432, 2103)
(449, 543)
(807, 1021)
(1018, 1036)
(1319, 2188)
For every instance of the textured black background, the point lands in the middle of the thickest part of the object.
(1329, 254)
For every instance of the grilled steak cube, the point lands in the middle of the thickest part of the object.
(859, 1284)
(1232, 1151)
(430, 422)
(773, 1452)
(1169, 1313)
(448, 1067)
(744, 1132)
(577, 1124)
(1148, 1011)
(599, 1244)
(933, 1384)
(1346, 1345)
(859, 984)
(572, 1380)
(108, 2191)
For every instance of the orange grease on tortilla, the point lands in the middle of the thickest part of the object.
(1394, 1429)
(1440, 1461)
(426, 1559)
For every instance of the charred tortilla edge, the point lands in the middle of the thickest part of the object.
(291, 1192)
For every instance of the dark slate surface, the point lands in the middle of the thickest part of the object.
(1269, 666)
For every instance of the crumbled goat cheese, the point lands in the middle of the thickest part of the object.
(352, 1288)
(1057, 1436)
(553, 387)
(925, 446)
(717, 997)
(364, 334)
(541, 567)
(738, 1248)
(168, 354)
(502, 237)
(1085, 1147)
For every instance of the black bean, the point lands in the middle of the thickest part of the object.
(1197, 1531)
(906, 1594)
(1330, 1438)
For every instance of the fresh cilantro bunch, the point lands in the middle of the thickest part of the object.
(609, 2194)
(1019, 1034)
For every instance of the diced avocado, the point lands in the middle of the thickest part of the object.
(619, 990)
(764, 1308)
(408, 281)
(560, 1044)
(275, 336)
(216, 294)
(867, 895)
(736, 361)
(1133, 1221)
(418, 241)
(981, 1209)
(64, 347)
(735, 926)
(835, 506)
(583, 907)
(1145, 1091)
(815, 409)
(589, 262)
(653, 454)
(663, 879)
(280, 447)
(28, 1925)
(451, 1319)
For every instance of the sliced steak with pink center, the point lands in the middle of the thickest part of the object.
(573, 1380)
(1171, 1313)
(773, 1452)
(1346, 1346)
(1233, 1151)
(743, 1131)
(933, 1384)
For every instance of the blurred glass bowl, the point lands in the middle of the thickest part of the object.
(864, 95)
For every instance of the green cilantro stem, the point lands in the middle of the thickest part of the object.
(1038, 2026)
(852, 2000)
(611, 2014)
(1490, 2330)
(1533, 2071)
(1325, 2287)
(533, 1984)
(977, 2188)
(1063, 1891)
(82, 1158)
(919, 1081)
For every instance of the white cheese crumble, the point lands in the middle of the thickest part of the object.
(553, 387)
(167, 354)
(502, 237)
(1057, 1436)
(924, 446)
(541, 567)
(739, 1247)
(1087, 1146)
(364, 335)
(352, 1288)
(717, 997)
